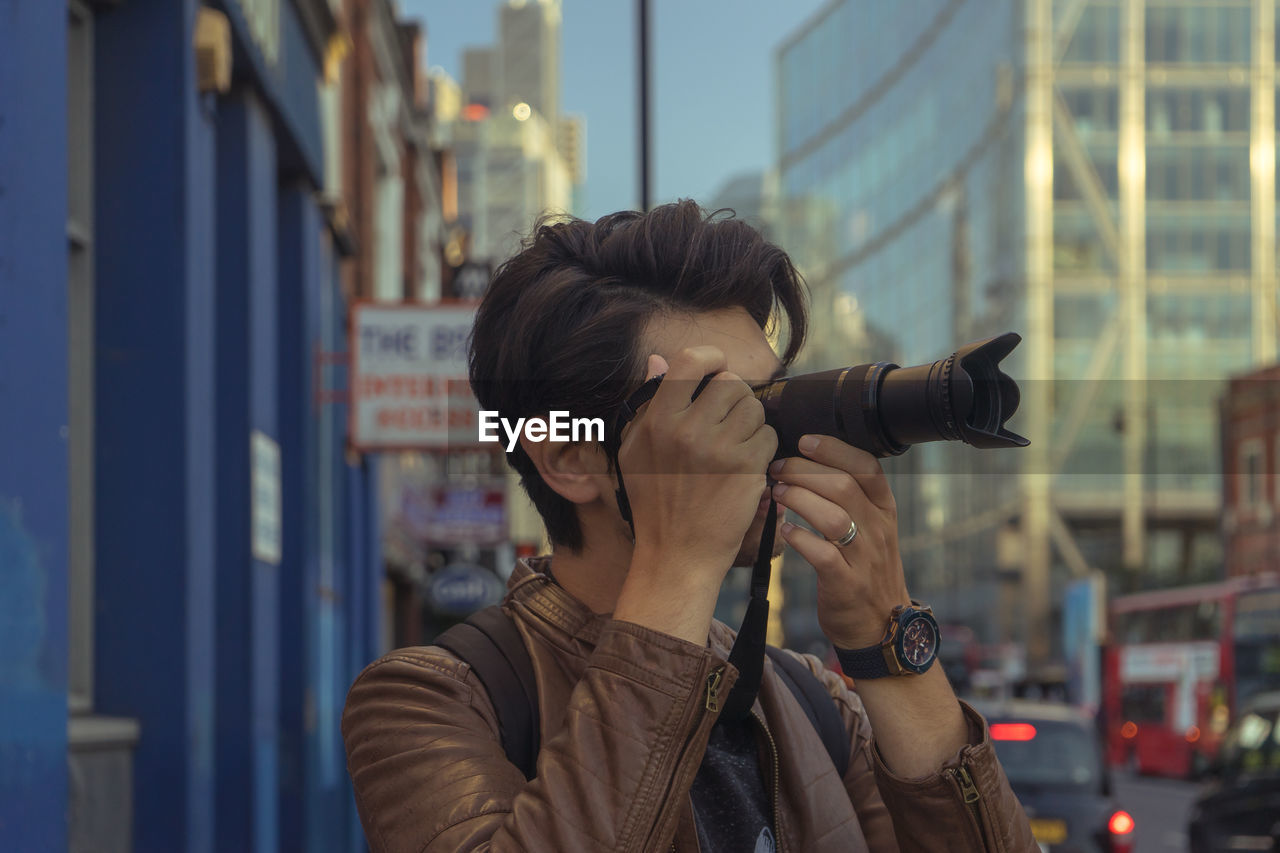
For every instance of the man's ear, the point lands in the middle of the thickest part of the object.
(572, 470)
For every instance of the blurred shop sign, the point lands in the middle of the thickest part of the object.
(409, 387)
(1169, 662)
(457, 515)
(264, 454)
(463, 588)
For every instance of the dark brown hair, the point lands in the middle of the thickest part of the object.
(560, 325)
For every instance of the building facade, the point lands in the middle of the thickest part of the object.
(528, 57)
(517, 156)
(1098, 176)
(509, 172)
(1251, 473)
(189, 553)
(390, 177)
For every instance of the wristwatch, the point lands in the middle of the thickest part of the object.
(909, 646)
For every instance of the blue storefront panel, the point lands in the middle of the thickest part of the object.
(247, 587)
(214, 283)
(33, 427)
(154, 408)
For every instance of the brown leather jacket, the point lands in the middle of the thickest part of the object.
(624, 726)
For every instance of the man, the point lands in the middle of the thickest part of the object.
(631, 668)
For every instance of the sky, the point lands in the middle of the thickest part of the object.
(712, 90)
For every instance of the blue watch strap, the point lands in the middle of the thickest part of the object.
(863, 663)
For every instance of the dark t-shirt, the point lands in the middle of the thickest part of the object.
(731, 805)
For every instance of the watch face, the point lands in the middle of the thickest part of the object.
(919, 643)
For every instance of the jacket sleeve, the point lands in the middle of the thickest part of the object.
(966, 806)
(430, 775)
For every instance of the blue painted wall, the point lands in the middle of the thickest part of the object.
(155, 410)
(298, 231)
(317, 650)
(215, 281)
(288, 86)
(247, 387)
(33, 422)
(345, 575)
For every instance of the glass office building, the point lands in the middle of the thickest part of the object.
(1097, 175)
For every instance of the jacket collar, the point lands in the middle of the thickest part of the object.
(532, 589)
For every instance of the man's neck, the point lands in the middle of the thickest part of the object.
(594, 574)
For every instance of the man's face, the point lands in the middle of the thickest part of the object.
(747, 353)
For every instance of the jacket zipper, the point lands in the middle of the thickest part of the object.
(713, 689)
(773, 793)
(971, 795)
(711, 702)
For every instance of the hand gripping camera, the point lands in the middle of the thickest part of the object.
(881, 407)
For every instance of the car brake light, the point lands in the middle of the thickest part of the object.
(1129, 730)
(1013, 731)
(1121, 823)
(1193, 734)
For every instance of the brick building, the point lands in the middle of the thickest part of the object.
(389, 174)
(1250, 463)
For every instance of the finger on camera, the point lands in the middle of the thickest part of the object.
(655, 367)
(822, 514)
(685, 371)
(720, 393)
(744, 418)
(831, 452)
(761, 446)
(840, 487)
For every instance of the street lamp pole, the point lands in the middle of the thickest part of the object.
(643, 28)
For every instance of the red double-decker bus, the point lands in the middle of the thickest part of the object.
(1179, 663)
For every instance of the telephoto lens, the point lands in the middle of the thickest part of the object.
(884, 409)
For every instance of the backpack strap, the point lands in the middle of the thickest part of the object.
(817, 703)
(490, 642)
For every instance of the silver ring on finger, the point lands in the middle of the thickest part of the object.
(848, 537)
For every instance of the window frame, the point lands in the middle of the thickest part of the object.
(1252, 493)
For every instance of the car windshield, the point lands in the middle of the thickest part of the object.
(1252, 745)
(1047, 754)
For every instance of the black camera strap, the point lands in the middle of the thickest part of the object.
(613, 441)
(748, 651)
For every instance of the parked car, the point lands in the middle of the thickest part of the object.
(1052, 754)
(1239, 808)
